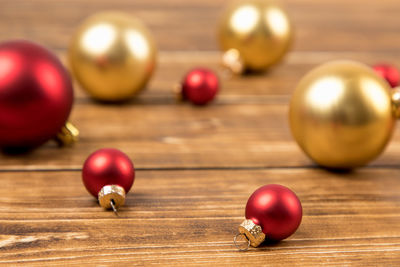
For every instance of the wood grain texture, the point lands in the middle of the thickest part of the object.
(196, 167)
(333, 25)
(164, 224)
(183, 136)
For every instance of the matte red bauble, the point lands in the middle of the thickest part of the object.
(273, 212)
(390, 73)
(200, 86)
(108, 174)
(36, 96)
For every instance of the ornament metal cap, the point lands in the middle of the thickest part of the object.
(178, 92)
(68, 135)
(111, 197)
(253, 233)
(233, 61)
(395, 96)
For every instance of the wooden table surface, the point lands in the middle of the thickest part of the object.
(196, 167)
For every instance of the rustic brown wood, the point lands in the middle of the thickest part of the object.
(196, 167)
(329, 25)
(279, 81)
(183, 136)
(189, 217)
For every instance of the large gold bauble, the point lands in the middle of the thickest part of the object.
(256, 33)
(112, 55)
(341, 114)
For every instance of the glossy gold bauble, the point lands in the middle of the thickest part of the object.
(112, 55)
(341, 114)
(255, 34)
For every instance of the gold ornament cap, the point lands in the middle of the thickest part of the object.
(253, 233)
(68, 135)
(395, 96)
(232, 60)
(177, 91)
(111, 197)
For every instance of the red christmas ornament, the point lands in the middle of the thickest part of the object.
(389, 73)
(273, 212)
(200, 86)
(36, 96)
(108, 174)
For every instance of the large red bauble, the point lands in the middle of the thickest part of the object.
(200, 86)
(390, 73)
(36, 94)
(107, 166)
(276, 209)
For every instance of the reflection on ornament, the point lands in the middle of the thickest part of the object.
(112, 55)
(257, 31)
(341, 114)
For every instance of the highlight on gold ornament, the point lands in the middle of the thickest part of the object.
(342, 114)
(112, 55)
(254, 35)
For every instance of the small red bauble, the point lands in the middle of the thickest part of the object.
(273, 212)
(108, 174)
(36, 94)
(389, 73)
(276, 209)
(200, 86)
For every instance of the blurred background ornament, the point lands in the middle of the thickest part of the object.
(342, 114)
(108, 174)
(390, 73)
(199, 86)
(254, 35)
(36, 97)
(273, 212)
(112, 55)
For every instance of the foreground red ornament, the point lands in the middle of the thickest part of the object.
(273, 212)
(390, 73)
(108, 174)
(200, 86)
(36, 96)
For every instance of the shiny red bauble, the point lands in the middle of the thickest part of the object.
(276, 209)
(200, 86)
(390, 73)
(107, 166)
(36, 94)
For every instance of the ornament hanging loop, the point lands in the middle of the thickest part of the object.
(240, 248)
(112, 204)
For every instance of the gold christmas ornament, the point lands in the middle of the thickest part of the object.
(112, 55)
(342, 114)
(254, 34)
